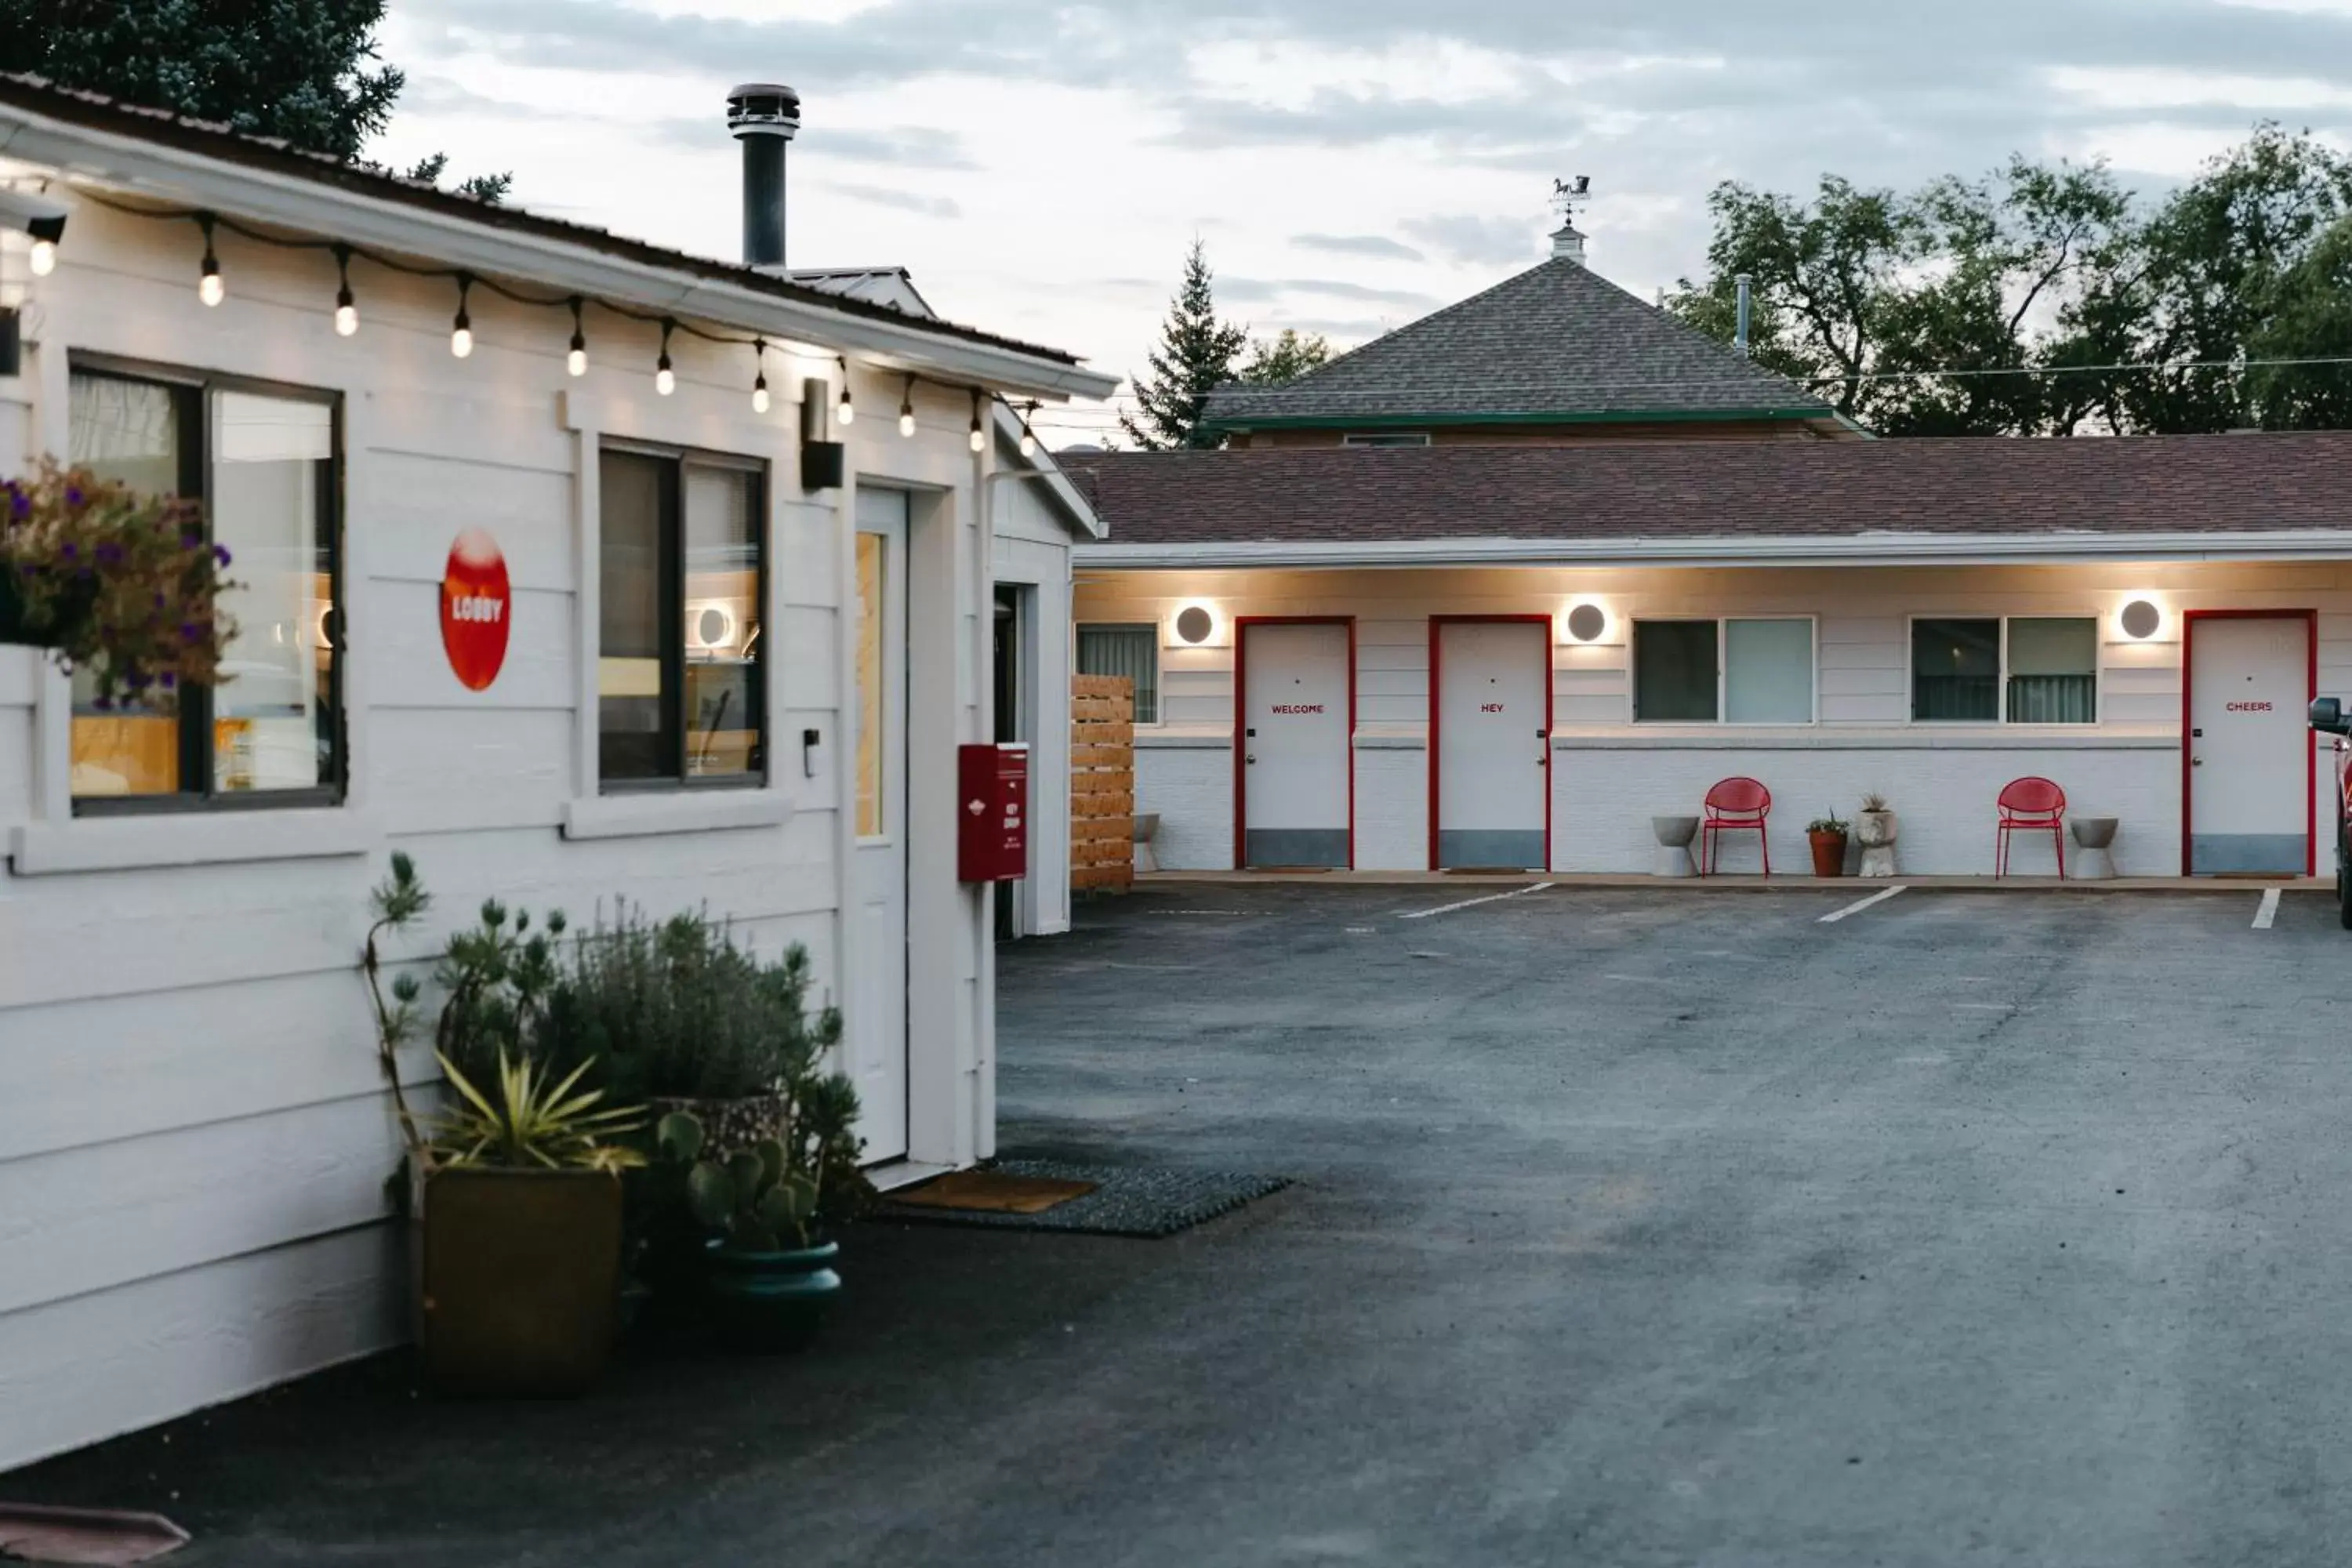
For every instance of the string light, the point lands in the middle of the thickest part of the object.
(44, 260)
(664, 378)
(759, 384)
(347, 314)
(461, 334)
(979, 437)
(209, 287)
(844, 412)
(907, 409)
(576, 361)
(1028, 436)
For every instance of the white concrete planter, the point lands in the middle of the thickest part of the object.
(2095, 839)
(1876, 832)
(1674, 834)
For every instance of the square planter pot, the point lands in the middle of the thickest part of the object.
(520, 1279)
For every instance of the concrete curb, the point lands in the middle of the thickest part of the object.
(1733, 884)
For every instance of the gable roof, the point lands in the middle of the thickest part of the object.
(42, 121)
(1302, 504)
(1557, 342)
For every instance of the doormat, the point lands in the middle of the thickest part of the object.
(993, 1191)
(31, 1533)
(1145, 1201)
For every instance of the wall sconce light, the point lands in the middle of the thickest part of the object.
(1585, 623)
(2141, 619)
(1194, 625)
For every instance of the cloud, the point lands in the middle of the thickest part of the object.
(1256, 291)
(903, 200)
(914, 147)
(1378, 247)
(1476, 241)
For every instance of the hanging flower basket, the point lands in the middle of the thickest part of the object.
(117, 583)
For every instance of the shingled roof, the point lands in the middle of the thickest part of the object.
(1556, 341)
(2219, 485)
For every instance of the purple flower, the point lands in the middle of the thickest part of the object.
(109, 554)
(168, 679)
(190, 632)
(190, 540)
(19, 503)
(69, 551)
(73, 495)
(220, 553)
(141, 681)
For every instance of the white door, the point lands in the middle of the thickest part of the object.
(1296, 809)
(2249, 751)
(1493, 744)
(876, 1036)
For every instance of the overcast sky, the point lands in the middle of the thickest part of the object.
(1040, 165)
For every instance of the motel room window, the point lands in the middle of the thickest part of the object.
(681, 692)
(263, 460)
(1758, 671)
(2027, 669)
(1131, 652)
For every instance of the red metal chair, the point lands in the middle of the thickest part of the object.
(1735, 806)
(2030, 805)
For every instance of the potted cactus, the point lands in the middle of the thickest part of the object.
(769, 1275)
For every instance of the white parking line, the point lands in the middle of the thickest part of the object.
(1855, 909)
(2267, 915)
(1473, 903)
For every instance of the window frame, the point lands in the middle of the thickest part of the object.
(1722, 720)
(1154, 635)
(2000, 718)
(671, 524)
(192, 388)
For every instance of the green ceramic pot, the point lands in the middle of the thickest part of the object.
(771, 1301)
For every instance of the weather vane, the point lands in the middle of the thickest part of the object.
(1567, 194)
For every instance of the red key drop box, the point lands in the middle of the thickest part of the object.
(993, 812)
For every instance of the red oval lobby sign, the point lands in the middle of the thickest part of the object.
(475, 600)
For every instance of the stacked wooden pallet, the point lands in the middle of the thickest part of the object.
(1102, 781)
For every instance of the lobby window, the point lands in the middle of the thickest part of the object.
(1131, 652)
(2027, 669)
(264, 462)
(680, 671)
(1748, 671)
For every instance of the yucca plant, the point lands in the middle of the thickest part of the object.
(533, 1122)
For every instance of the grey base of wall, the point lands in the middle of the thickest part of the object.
(1299, 847)
(2248, 854)
(1486, 848)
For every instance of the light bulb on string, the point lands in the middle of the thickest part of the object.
(576, 361)
(461, 332)
(209, 287)
(907, 410)
(760, 383)
(347, 314)
(664, 378)
(44, 260)
(979, 437)
(844, 412)
(1028, 436)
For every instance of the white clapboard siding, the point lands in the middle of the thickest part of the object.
(184, 1058)
(110, 1214)
(81, 1369)
(408, 666)
(461, 769)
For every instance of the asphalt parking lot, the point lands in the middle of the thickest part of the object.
(1630, 1227)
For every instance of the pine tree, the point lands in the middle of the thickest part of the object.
(1194, 358)
(1277, 362)
(300, 70)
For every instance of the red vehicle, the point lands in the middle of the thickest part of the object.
(2327, 717)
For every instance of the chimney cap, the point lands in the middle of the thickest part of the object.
(763, 108)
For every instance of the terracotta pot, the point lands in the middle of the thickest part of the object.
(520, 1279)
(1828, 854)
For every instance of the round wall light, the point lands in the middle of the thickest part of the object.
(714, 628)
(1194, 625)
(1587, 622)
(2141, 619)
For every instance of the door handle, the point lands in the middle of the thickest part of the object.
(2196, 762)
(1253, 762)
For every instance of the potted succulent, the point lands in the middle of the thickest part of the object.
(121, 584)
(769, 1275)
(1876, 828)
(1828, 835)
(514, 1192)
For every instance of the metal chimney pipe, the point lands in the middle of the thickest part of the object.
(1739, 334)
(764, 117)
